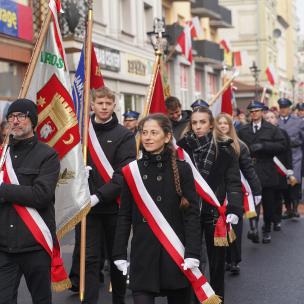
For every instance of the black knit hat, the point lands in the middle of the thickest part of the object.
(25, 106)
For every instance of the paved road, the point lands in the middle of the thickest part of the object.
(270, 273)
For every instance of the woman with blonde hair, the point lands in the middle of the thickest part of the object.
(224, 130)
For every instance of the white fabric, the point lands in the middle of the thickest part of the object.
(1, 177)
(257, 199)
(280, 165)
(258, 125)
(232, 219)
(94, 200)
(190, 263)
(122, 265)
(88, 169)
(248, 191)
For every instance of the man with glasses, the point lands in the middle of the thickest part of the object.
(264, 141)
(36, 167)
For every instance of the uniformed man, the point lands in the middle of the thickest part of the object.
(199, 103)
(178, 117)
(294, 126)
(300, 108)
(131, 120)
(264, 141)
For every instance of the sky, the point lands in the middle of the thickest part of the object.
(300, 11)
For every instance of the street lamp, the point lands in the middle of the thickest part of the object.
(293, 83)
(158, 36)
(255, 71)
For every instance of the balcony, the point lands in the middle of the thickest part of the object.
(173, 31)
(205, 8)
(225, 21)
(208, 52)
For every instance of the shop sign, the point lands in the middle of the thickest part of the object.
(16, 20)
(137, 67)
(108, 59)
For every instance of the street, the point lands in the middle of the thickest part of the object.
(270, 273)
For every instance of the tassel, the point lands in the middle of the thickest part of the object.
(213, 300)
(220, 241)
(231, 235)
(250, 214)
(61, 286)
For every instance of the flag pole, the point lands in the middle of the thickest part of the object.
(35, 55)
(263, 94)
(222, 90)
(88, 52)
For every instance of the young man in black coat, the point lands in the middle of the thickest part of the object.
(264, 141)
(118, 144)
(37, 168)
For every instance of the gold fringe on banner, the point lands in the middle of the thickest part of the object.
(61, 286)
(221, 242)
(232, 236)
(74, 221)
(250, 214)
(213, 300)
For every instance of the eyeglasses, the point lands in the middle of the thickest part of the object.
(20, 117)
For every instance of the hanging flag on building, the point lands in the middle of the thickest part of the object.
(270, 73)
(184, 43)
(58, 127)
(228, 54)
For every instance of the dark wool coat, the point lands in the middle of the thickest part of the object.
(151, 267)
(247, 168)
(37, 168)
(272, 143)
(224, 178)
(180, 126)
(118, 144)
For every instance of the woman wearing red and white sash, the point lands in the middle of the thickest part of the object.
(164, 218)
(27, 217)
(217, 163)
(225, 130)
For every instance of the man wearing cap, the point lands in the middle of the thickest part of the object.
(199, 103)
(300, 108)
(36, 167)
(179, 118)
(264, 141)
(294, 126)
(131, 121)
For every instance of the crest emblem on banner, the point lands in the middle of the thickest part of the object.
(57, 121)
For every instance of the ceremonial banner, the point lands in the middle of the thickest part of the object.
(58, 127)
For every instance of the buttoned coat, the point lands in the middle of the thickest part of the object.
(151, 267)
(272, 143)
(294, 126)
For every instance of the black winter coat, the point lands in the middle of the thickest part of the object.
(180, 126)
(151, 267)
(247, 168)
(224, 179)
(118, 144)
(37, 168)
(272, 143)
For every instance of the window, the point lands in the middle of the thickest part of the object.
(126, 18)
(133, 102)
(148, 22)
(198, 85)
(99, 6)
(184, 85)
(211, 85)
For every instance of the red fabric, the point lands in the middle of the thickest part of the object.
(162, 237)
(158, 98)
(96, 77)
(25, 22)
(237, 58)
(225, 46)
(184, 43)
(270, 76)
(227, 101)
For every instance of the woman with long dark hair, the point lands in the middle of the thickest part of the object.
(225, 130)
(217, 163)
(170, 184)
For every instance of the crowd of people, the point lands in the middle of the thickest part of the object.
(155, 198)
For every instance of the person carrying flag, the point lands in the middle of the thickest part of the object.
(27, 198)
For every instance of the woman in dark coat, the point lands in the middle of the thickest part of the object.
(219, 166)
(225, 130)
(170, 183)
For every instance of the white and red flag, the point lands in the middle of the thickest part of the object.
(270, 73)
(57, 126)
(224, 103)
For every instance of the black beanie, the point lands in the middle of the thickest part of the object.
(25, 106)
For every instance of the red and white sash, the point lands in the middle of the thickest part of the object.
(98, 156)
(206, 193)
(248, 199)
(280, 167)
(40, 231)
(165, 234)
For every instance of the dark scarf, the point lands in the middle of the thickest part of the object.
(106, 126)
(203, 152)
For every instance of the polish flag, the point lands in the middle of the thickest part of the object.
(270, 74)
(224, 103)
(184, 43)
(196, 29)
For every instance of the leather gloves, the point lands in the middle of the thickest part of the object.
(190, 263)
(122, 265)
(256, 147)
(232, 219)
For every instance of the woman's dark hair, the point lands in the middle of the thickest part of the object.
(165, 124)
(203, 110)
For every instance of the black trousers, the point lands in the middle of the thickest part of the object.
(36, 268)
(269, 207)
(178, 296)
(280, 196)
(234, 251)
(96, 223)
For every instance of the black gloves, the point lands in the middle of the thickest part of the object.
(256, 147)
